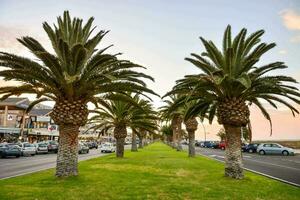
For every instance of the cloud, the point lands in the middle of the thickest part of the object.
(9, 35)
(8, 41)
(291, 19)
(282, 52)
(295, 39)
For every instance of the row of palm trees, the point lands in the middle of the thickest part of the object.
(78, 73)
(229, 81)
(75, 74)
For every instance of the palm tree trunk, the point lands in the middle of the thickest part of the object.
(179, 135)
(174, 138)
(133, 142)
(67, 156)
(120, 133)
(179, 146)
(191, 143)
(141, 144)
(120, 147)
(233, 153)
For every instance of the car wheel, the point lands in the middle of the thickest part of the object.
(18, 156)
(285, 153)
(262, 152)
(32, 154)
(250, 151)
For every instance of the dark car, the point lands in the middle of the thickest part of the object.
(10, 150)
(215, 145)
(252, 148)
(52, 146)
(92, 145)
(244, 146)
(208, 144)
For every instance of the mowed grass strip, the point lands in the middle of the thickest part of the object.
(156, 172)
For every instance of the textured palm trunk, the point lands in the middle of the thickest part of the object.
(174, 136)
(67, 156)
(191, 126)
(69, 115)
(191, 143)
(120, 134)
(179, 134)
(233, 152)
(133, 142)
(141, 142)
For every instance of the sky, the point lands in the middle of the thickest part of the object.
(160, 34)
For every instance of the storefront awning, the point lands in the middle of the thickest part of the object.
(10, 130)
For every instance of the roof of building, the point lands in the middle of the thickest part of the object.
(22, 103)
(39, 112)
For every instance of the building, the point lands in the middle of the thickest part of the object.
(16, 124)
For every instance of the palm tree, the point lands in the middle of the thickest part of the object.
(119, 115)
(167, 131)
(145, 115)
(175, 116)
(181, 105)
(77, 73)
(231, 81)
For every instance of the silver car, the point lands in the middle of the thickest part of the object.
(274, 148)
(27, 149)
(41, 148)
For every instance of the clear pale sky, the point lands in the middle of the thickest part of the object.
(160, 34)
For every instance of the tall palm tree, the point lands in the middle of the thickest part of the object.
(175, 116)
(231, 81)
(77, 73)
(146, 115)
(167, 131)
(181, 105)
(119, 115)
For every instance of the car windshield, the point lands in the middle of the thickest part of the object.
(53, 142)
(42, 145)
(28, 145)
(107, 145)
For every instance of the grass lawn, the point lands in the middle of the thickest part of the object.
(156, 172)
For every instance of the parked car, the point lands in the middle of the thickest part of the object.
(208, 144)
(82, 148)
(92, 145)
(52, 146)
(107, 147)
(244, 146)
(274, 148)
(215, 145)
(252, 147)
(222, 145)
(41, 148)
(10, 150)
(27, 149)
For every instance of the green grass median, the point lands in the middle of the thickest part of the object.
(156, 172)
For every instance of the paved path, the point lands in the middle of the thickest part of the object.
(10, 167)
(286, 168)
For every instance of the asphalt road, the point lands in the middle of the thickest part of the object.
(10, 167)
(285, 168)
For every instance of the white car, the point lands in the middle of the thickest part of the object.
(27, 149)
(41, 148)
(107, 147)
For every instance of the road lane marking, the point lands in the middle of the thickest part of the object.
(274, 164)
(257, 172)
